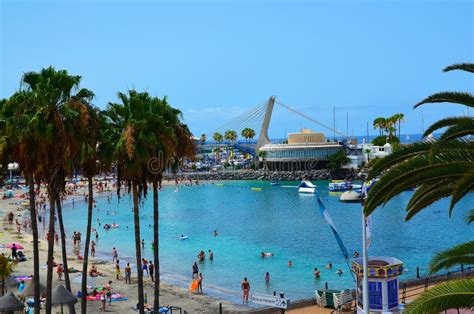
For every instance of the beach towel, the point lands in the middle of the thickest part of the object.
(20, 278)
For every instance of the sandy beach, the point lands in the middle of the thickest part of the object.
(170, 295)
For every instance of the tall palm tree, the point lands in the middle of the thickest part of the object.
(128, 120)
(84, 150)
(380, 123)
(440, 169)
(19, 143)
(53, 93)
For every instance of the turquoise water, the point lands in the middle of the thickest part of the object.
(275, 219)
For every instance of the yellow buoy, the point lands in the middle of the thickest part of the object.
(256, 189)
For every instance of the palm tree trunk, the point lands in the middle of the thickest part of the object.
(67, 281)
(49, 276)
(86, 247)
(34, 231)
(156, 246)
(136, 220)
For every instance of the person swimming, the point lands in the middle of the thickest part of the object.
(317, 273)
(290, 263)
(329, 266)
(266, 254)
(339, 272)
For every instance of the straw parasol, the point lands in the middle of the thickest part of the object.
(30, 288)
(61, 296)
(11, 282)
(9, 303)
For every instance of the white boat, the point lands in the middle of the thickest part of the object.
(306, 187)
(341, 186)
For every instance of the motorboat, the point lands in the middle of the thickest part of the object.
(273, 183)
(341, 186)
(306, 187)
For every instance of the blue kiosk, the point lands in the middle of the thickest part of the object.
(383, 283)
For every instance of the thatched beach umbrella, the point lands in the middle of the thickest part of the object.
(61, 296)
(11, 282)
(30, 288)
(10, 303)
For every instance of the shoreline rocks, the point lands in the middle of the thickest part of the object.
(322, 174)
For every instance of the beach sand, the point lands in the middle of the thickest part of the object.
(169, 295)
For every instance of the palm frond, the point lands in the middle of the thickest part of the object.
(450, 121)
(457, 255)
(456, 294)
(427, 197)
(398, 157)
(465, 99)
(470, 216)
(464, 186)
(468, 67)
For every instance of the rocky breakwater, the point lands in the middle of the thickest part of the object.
(322, 174)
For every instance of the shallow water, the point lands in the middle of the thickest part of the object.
(275, 219)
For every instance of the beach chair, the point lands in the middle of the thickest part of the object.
(342, 299)
(320, 298)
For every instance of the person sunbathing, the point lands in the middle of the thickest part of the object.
(93, 272)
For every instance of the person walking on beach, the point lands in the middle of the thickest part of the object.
(103, 300)
(200, 279)
(145, 266)
(114, 255)
(151, 269)
(59, 271)
(117, 270)
(14, 252)
(92, 248)
(74, 238)
(195, 270)
(108, 292)
(128, 274)
(245, 291)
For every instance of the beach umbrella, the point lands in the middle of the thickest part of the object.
(18, 246)
(11, 282)
(61, 296)
(30, 288)
(9, 303)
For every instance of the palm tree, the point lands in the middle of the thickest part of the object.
(19, 142)
(439, 169)
(230, 135)
(128, 122)
(6, 269)
(217, 137)
(88, 133)
(45, 100)
(380, 123)
(398, 118)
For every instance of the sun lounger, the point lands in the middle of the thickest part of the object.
(343, 298)
(321, 298)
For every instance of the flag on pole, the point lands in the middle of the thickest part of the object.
(327, 217)
(366, 186)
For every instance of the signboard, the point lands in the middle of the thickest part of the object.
(270, 300)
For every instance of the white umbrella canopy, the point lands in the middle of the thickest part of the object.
(9, 302)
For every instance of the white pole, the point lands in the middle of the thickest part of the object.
(365, 282)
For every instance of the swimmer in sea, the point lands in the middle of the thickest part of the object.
(267, 277)
(329, 266)
(316, 273)
(215, 233)
(339, 272)
(290, 263)
(263, 254)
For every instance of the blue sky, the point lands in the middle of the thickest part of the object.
(216, 59)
